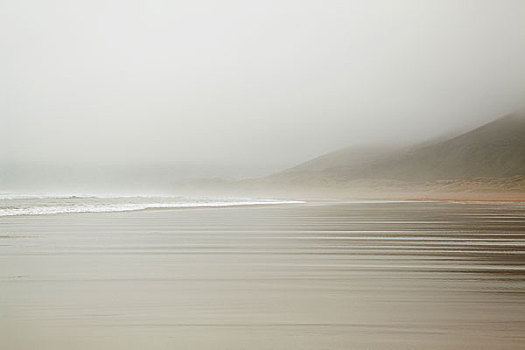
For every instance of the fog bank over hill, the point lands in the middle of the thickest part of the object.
(490, 157)
(496, 149)
(263, 85)
(487, 162)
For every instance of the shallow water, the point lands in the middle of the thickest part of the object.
(13, 204)
(372, 275)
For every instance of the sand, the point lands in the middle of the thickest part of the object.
(324, 275)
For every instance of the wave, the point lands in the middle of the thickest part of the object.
(102, 208)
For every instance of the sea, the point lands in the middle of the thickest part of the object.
(58, 203)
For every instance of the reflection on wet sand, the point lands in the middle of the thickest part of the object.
(383, 275)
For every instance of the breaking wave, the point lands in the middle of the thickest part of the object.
(37, 204)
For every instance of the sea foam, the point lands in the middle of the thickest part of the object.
(45, 204)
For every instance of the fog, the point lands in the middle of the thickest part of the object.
(252, 87)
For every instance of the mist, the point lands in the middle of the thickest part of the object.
(246, 89)
(285, 175)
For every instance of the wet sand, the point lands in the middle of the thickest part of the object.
(395, 275)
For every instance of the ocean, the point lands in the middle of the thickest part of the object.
(45, 203)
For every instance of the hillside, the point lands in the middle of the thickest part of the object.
(494, 150)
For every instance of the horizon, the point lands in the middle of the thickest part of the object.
(154, 177)
(240, 170)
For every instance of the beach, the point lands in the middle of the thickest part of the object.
(316, 275)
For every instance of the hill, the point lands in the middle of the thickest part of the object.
(495, 150)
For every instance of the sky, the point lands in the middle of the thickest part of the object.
(260, 84)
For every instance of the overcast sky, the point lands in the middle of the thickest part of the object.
(268, 83)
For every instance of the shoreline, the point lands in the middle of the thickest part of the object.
(255, 277)
(210, 206)
(415, 196)
(304, 199)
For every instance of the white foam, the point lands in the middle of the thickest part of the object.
(101, 208)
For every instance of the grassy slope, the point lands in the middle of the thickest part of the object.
(495, 150)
